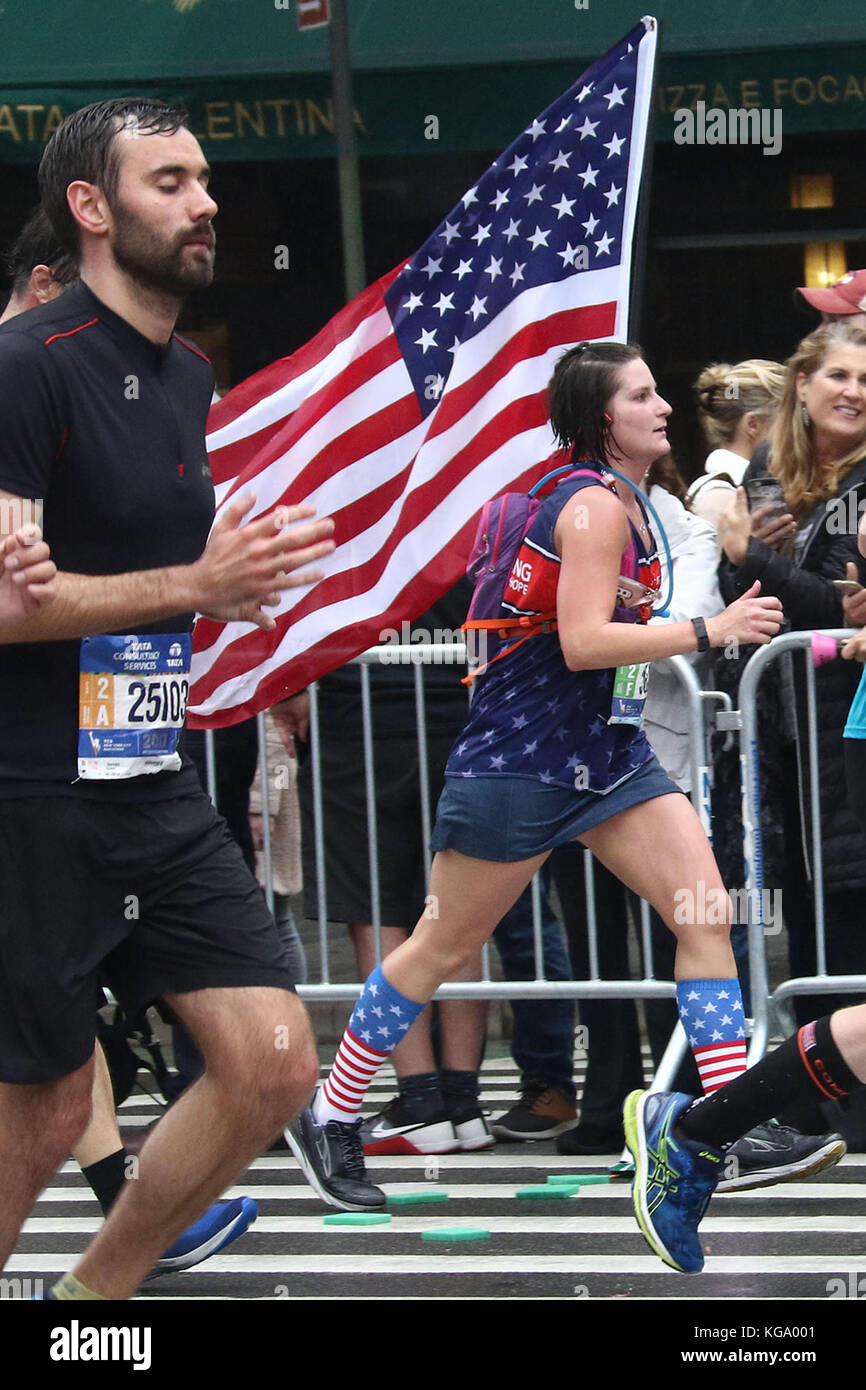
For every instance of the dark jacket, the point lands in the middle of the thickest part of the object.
(804, 585)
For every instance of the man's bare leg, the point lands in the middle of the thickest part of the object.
(260, 1068)
(38, 1127)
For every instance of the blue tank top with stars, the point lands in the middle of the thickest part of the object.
(531, 717)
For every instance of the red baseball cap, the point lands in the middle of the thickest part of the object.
(847, 296)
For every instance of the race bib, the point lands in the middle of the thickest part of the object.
(132, 697)
(629, 694)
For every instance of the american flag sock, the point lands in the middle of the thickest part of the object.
(711, 1012)
(380, 1020)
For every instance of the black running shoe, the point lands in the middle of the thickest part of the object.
(774, 1153)
(332, 1159)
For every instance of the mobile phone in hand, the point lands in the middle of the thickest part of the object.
(766, 491)
(847, 587)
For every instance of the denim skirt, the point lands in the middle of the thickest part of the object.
(506, 819)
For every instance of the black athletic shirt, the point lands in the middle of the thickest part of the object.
(108, 429)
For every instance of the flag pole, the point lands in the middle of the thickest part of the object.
(348, 178)
(635, 308)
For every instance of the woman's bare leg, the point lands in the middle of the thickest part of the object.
(659, 850)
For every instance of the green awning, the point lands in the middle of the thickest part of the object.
(259, 88)
(92, 42)
(291, 117)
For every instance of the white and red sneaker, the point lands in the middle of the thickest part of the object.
(472, 1133)
(404, 1128)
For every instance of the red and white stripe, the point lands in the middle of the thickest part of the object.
(719, 1063)
(343, 1093)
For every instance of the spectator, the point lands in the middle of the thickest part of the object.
(843, 301)
(817, 449)
(736, 405)
(285, 823)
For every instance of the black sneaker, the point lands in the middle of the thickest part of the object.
(774, 1153)
(591, 1139)
(541, 1113)
(332, 1159)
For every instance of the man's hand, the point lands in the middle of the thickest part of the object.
(27, 575)
(246, 567)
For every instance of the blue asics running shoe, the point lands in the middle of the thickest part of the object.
(221, 1224)
(674, 1177)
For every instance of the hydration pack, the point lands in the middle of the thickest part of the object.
(502, 528)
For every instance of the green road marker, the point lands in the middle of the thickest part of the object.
(582, 1179)
(405, 1199)
(559, 1190)
(623, 1169)
(456, 1233)
(357, 1218)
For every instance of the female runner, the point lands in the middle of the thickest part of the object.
(553, 751)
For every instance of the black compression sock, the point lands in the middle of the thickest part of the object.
(421, 1094)
(807, 1066)
(460, 1092)
(107, 1178)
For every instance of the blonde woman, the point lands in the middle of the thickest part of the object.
(817, 450)
(735, 405)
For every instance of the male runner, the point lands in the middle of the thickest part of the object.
(40, 270)
(114, 859)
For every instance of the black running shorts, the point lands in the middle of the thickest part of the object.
(155, 896)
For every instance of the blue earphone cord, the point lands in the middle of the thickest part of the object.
(664, 611)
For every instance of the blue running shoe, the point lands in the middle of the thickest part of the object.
(221, 1224)
(674, 1177)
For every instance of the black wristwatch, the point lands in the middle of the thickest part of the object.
(701, 633)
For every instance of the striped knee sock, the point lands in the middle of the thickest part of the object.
(711, 1012)
(380, 1020)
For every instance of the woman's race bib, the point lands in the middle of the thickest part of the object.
(629, 694)
(131, 704)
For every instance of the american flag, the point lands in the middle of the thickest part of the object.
(425, 396)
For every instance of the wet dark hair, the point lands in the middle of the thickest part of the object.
(84, 147)
(583, 381)
(35, 245)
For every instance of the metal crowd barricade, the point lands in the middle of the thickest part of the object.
(771, 1010)
(421, 655)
